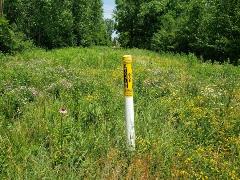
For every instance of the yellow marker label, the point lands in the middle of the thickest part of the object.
(128, 78)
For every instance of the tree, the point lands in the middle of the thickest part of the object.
(97, 25)
(127, 25)
(225, 30)
(1, 8)
(89, 27)
(54, 23)
(208, 28)
(110, 28)
(81, 21)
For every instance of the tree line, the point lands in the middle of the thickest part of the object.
(51, 23)
(208, 28)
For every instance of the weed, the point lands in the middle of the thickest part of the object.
(187, 116)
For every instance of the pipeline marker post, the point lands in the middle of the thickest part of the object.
(129, 106)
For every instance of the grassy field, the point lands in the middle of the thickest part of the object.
(62, 116)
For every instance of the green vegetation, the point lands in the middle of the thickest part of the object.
(62, 110)
(62, 116)
(53, 24)
(208, 28)
(110, 28)
(11, 40)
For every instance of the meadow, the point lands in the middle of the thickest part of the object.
(62, 116)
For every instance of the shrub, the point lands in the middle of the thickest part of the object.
(10, 40)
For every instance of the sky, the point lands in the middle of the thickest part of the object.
(108, 6)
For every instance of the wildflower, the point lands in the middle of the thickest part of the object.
(66, 84)
(61, 70)
(33, 91)
(157, 72)
(63, 111)
(51, 87)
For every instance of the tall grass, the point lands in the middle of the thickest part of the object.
(187, 116)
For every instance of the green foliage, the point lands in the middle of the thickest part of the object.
(52, 23)
(110, 27)
(11, 40)
(226, 41)
(210, 29)
(187, 116)
(127, 22)
(6, 34)
(89, 26)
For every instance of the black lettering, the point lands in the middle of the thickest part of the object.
(125, 76)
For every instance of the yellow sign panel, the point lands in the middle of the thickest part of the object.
(128, 77)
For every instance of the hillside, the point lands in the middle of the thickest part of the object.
(62, 116)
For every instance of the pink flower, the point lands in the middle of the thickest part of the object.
(63, 111)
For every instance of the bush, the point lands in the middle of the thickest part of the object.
(10, 40)
(163, 41)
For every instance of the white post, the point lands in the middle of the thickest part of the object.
(129, 105)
